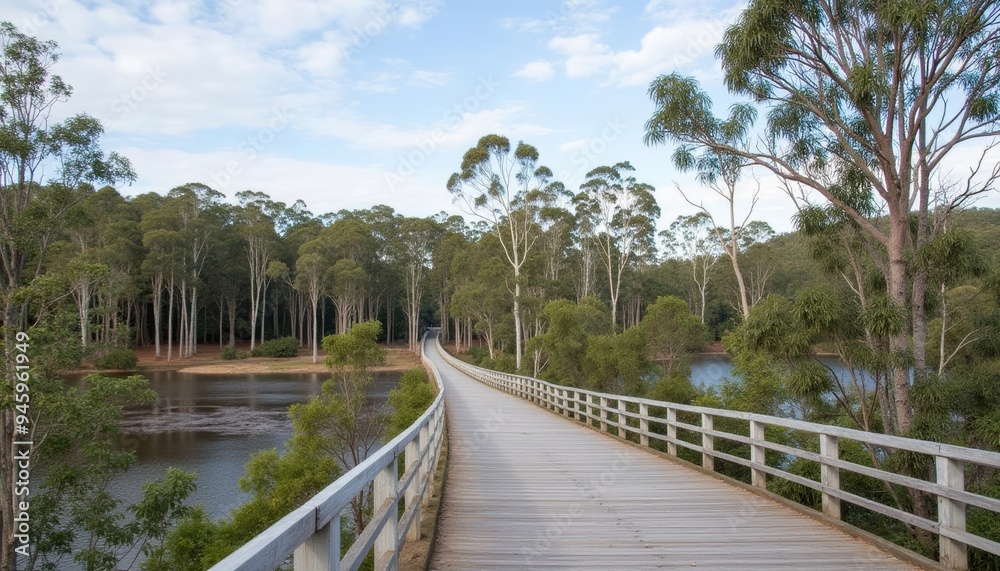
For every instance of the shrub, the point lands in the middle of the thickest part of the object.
(409, 400)
(283, 347)
(117, 358)
(228, 353)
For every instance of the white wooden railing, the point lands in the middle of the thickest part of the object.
(311, 533)
(631, 418)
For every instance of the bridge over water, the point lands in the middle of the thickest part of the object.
(545, 477)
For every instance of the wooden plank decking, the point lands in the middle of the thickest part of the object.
(527, 489)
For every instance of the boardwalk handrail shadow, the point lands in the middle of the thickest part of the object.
(630, 418)
(311, 533)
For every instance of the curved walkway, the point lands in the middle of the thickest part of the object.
(527, 489)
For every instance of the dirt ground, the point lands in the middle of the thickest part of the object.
(207, 361)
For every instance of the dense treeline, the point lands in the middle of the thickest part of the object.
(890, 269)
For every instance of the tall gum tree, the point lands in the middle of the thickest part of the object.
(29, 143)
(257, 228)
(498, 187)
(623, 213)
(865, 103)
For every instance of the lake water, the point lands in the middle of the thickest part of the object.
(211, 425)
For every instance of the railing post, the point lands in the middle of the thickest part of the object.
(671, 431)
(829, 447)
(951, 513)
(758, 454)
(321, 551)
(589, 406)
(707, 442)
(567, 408)
(426, 460)
(386, 490)
(604, 414)
(622, 420)
(643, 424)
(411, 495)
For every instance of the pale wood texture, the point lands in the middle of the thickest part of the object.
(527, 489)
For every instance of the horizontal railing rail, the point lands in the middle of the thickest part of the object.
(631, 418)
(311, 533)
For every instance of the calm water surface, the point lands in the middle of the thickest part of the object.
(212, 424)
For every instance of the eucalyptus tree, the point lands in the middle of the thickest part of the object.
(350, 248)
(481, 293)
(452, 241)
(255, 224)
(556, 222)
(866, 103)
(225, 274)
(691, 238)
(623, 213)
(310, 270)
(499, 187)
(30, 141)
(201, 217)
(413, 249)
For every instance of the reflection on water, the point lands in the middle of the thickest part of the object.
(212, 424)
(712, 370)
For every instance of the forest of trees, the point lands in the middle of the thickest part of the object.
(891, 267)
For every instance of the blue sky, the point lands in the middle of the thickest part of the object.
(351, 103)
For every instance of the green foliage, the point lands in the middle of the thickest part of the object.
(618, 363)
(355, 351)
(673, 389)
(73, 510)
(277, 484)
(409, 400)
(672, 335)
(564, 344)
(116, 359)
(282, 347)
(228, 353)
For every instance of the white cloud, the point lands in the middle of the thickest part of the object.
(456, 128)
(574, 146)
(536, 70)
(402, 73)
(583, 55)
(681, 43)
(324, 57)
(569, 18)
(325, 187)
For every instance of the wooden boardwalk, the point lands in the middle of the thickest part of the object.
(527, 489)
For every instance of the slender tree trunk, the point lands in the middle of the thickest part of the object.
(193, 346)
(518, 349)
(170, 319)
(899, 342)
(182, 338)
(315, 332)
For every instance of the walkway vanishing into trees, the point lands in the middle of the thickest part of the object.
(527, 489)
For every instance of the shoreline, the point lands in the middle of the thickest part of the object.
(208, 362)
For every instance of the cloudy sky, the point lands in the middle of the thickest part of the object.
(351, 103)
